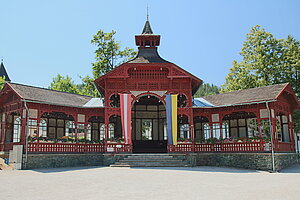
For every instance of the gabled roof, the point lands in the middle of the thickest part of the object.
(261, 94)
(47, 96)
(3, 72)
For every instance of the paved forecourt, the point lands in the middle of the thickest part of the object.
(149, 183)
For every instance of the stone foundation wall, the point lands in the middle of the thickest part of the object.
(259, 161)
(35, 161)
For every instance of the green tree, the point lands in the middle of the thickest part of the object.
(87, 87)
(2, 82)
(265, 61)
(108, 53)
(207, 89)
(64, 84)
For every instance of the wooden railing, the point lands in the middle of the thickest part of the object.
(284, 146)
(118, 147)
(180, 147)
(78, 148)
(232, 147)
(64, 147)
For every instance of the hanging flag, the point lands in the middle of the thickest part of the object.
(174, 118)
(169, 118)
(125, 104)
(171, 112)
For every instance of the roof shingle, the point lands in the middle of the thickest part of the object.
(47, 96)
(246, 96)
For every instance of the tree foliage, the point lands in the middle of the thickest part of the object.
(2, 82)
(64, 84)
(108, 54)
(265, 61)
(87, 87)
(207, 89)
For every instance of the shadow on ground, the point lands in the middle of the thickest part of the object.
(64, 169)
(292, 169)
(202, 169)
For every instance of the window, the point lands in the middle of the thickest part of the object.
(282, 128)
(252, 127)
(184, 131)
(80, 131)
(206, 131)
(89, 132)
(70, 129)
(32, 128)
(238, 128)
(102, 131)
(43, 128)
(165, 129)
(216, 130)
(17, 129)
(225, 129)
(146, 129)
(111, 131)
(265, 127)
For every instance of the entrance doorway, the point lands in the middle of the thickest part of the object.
(149, 132)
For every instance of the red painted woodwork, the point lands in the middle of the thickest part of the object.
(119, 147)
(232, 147)
(64, 147)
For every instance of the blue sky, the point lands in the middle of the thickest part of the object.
(40, 39)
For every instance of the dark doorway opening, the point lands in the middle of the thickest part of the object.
(149, 126)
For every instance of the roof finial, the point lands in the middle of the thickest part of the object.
(147, 12)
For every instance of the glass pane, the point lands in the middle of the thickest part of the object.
(286, 136)
(52, 122)
(242, 122)
(146, 129)
(233, 132)
(242, 131)
(60, 123)
(233, 122)
(152, 108)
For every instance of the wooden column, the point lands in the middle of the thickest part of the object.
(3, 124)
(24, 126)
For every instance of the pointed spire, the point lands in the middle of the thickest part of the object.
(147, 28)
(3, 71)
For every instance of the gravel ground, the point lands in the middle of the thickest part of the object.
(149, 183)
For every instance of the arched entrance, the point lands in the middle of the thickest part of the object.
(149, 132)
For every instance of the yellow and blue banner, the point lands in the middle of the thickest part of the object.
(171, 112)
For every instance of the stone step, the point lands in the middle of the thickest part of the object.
(150, 165)
(151, 156)
(152, 160)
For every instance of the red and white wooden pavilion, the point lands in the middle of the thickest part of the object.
(252, 120)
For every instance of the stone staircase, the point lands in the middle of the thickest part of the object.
(151, 160)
